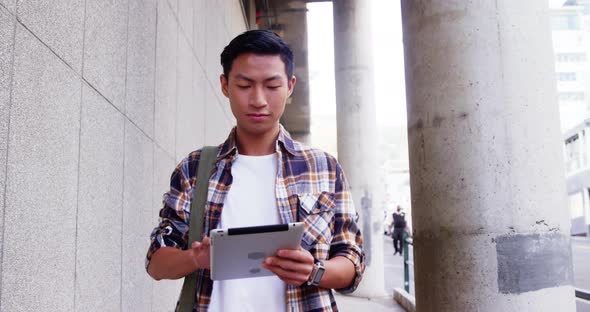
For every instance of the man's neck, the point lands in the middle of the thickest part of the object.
(256, 144)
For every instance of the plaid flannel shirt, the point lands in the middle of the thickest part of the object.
(310, 188)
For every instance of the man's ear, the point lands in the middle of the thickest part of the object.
(223, 82)
(292, 84)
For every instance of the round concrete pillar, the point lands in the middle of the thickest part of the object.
(355, 114)
(491, 225)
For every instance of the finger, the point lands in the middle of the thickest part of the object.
(200, 246)
(292, 282)
(207, 241)
(290, 265)
(299, 255)
(281, 268)
(285, 275)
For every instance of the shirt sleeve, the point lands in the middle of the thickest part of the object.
(172, 230)
(347, 239)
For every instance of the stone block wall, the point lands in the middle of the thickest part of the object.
(99, 100)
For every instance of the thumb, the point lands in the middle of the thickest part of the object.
(196, 245)
(206, 241)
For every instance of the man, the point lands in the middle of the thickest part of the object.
(262, 176)
(399, 226)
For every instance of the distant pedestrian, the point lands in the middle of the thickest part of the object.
(399, 226)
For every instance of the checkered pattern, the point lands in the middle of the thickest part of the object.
(311, 188)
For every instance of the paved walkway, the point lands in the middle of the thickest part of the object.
(394, 277)
(353, 304)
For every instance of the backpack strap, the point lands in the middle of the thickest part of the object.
(195, 232)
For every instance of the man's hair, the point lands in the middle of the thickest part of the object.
(262, 42)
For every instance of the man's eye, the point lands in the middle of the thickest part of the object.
(274, 87)
(243, 87)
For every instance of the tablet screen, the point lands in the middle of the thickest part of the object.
(239, 252)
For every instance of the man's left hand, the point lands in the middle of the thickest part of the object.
(291, 266)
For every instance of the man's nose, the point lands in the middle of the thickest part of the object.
(258, 97)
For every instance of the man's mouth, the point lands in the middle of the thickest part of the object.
(257, 117)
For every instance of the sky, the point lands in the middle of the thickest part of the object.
(555, 3)
(388, 61)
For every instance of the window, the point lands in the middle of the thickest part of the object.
(571, 96)
(572, 153)
(571, 57)
(576, 205)
(569, 76)
(565, 22)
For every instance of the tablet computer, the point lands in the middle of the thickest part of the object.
(239, 252)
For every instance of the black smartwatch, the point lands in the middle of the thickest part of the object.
(316, 274)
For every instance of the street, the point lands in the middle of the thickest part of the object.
(394, 267)
(581, 259)
(394, 277)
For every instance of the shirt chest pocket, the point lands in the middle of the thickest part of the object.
(316, 210)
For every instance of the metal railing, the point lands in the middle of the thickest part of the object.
(407, 241)
(583, 294)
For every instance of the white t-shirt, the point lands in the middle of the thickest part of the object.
(250, 201)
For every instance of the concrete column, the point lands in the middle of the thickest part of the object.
(303, 137)
(581, 151)
(291, 18)
(355, 114)
(491, 227)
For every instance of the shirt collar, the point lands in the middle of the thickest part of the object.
(284, 141)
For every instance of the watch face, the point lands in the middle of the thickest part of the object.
(318, 276)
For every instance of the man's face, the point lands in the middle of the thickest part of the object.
(257, 89)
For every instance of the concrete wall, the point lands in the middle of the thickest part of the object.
(98, 102)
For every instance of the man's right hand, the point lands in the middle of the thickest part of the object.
(174, 263)
(200, 253)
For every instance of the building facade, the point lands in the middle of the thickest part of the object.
(577, 157)
(570, 24)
